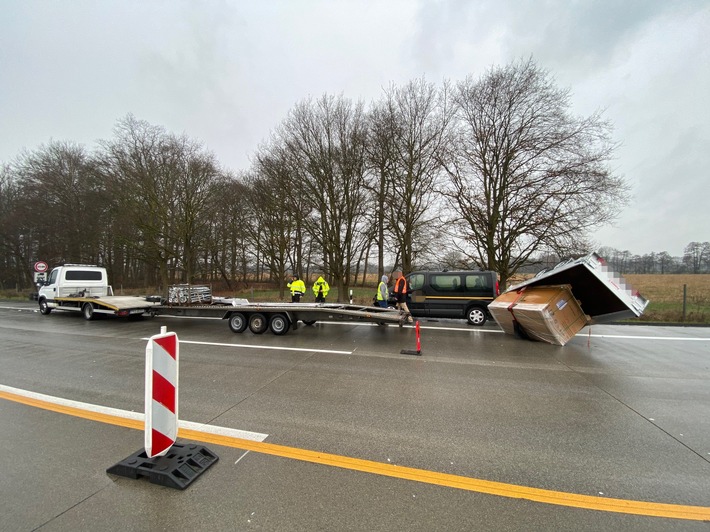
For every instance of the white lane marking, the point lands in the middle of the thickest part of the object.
(136, 416)
(190, 317)
(274, 348)
(630, 337)
(411, 326)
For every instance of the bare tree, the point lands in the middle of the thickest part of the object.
(63, 201)
(165, 184)
(526, 176)
(16, 246)
(696, 256)
(326, 140)
(408, 136)
(279, 217)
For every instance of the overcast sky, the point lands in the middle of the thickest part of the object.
(227, 72)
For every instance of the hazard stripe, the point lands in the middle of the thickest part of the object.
(169, 345)
(164, 392)
(164, 421)
(160, 443)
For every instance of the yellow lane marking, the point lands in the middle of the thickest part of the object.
(606, 504)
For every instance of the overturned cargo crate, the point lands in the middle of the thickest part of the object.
(584, 291)
(546, 313)
(602, 294)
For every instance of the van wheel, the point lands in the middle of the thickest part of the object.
(476, 316)
(88, 311)
(44, 307)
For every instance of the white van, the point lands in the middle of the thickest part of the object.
(75, 280)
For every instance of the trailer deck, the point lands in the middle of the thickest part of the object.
(281, 317)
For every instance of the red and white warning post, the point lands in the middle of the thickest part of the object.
(161, 393)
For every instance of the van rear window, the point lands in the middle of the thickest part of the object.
(478, 282)
(84, 275)
(446, 282)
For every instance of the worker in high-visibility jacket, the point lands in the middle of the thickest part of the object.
(383, 293)
(297, 287)
(400, 291)
(321, 289)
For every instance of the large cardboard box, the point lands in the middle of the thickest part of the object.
(546, 313)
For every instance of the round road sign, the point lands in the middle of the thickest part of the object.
(41, 266)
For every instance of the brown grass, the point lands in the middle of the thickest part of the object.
(665, 293)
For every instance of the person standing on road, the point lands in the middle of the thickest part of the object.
(321, 289)
(382, 293)
(297, 287)
(400, 291)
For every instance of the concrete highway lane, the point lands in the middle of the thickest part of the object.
(330, 427)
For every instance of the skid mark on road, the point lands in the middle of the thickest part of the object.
(227, 438)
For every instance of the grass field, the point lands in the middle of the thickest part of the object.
(665, 293)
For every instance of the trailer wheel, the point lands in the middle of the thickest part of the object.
(88, 311)
(237, 322)
(309, 322)
(44, 307)
(476, 316)
(279, 324)
(258, 323)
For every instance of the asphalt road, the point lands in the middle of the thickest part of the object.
(340, 431)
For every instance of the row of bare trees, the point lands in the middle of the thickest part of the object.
(695, 259)
(491, 171)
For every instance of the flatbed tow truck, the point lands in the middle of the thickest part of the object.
(85, 289)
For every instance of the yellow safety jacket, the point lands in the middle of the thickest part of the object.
(321, 284)
(297, 286)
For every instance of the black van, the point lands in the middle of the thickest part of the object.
(463, 294)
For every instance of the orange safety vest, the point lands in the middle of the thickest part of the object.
(400, 287)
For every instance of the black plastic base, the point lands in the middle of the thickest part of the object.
(177, 469)
(410, 352)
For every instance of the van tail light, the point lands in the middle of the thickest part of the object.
(497, 288)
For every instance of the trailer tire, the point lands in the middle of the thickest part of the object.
(279, 324)
(258, 323)
(237, 322)
(44, 307)
(88, 311)
(309, 322)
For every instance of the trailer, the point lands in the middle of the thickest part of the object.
(84, 289)
(279, 318)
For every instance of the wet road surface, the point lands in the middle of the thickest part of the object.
(483, 431)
